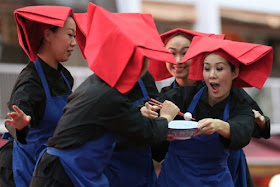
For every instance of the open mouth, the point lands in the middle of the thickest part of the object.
(215, 86)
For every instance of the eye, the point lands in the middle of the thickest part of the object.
(184, 52)
(72, 35)
(219, 68)
(206, 68)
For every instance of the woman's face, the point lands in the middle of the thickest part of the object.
(63, 41)
(178, 46)
(218, 77)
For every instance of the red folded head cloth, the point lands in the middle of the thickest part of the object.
(158, 68)
(117, 43)
(81, 21)
(253, 60)
(33, 20)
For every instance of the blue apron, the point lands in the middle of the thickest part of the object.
(85, 164)
(132, 167)
(174, 84)
(237, 166)
(199, 161)
(26, 155)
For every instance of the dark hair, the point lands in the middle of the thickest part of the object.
(232, 67)
(54, 29)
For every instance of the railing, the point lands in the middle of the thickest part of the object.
(268, 98)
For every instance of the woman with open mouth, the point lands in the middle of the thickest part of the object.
(225, 121)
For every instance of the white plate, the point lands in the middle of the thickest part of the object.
(182, 124)
(182, 129)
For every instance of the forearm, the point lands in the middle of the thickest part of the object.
(223, 129)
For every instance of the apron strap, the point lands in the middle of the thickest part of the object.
(42, 77)
(197, 97)
(226, 111)
(66, 81)
(174, 84)
(144, 92)
(195, 100)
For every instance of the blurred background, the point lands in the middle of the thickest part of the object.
(255, 21)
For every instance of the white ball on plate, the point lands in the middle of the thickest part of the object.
(188, 116)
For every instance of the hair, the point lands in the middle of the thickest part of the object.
(54, 29)
(232, 67)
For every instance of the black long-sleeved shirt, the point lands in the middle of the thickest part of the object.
(29, 95)
(241, 117)
(95, 108)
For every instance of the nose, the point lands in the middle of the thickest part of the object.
(73, 42)
(178, 58)
(212, 73)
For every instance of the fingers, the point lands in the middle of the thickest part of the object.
(260, 119)
(169, 108)
(202, 124)
(12, 115)
(18, 119)
(148, 112)
(8, 121)
(17, 110)
(155, 108)
(205, 126)
(170, 137)
(256, 113)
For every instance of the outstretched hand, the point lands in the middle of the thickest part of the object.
(260, 120)
(18, 119)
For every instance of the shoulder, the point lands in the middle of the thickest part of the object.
(239, 105)
(242, 95)
(65, 71)
(67, 74)
(166, 89)
(28, 77)
(95, 89)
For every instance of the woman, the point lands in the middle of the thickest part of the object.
(42, 87)
(225, 121)
(131, 164)
(99, 111)
(177, 42)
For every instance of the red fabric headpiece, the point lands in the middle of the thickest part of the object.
(158, 68)
(117, 43)
(81, 21)
(33, 20)
(253, 60)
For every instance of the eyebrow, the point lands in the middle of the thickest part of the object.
(215, 63)
(186, 47)
(71, 29)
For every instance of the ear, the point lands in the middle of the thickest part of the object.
(235, 73)
(47, 34)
